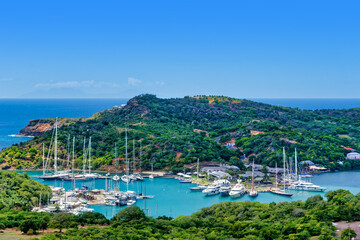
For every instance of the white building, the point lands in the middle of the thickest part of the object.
(353, 155)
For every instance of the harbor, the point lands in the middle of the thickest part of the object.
(172, 198)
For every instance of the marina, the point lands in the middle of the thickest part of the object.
(172, 198)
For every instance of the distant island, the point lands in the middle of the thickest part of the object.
(176, 132)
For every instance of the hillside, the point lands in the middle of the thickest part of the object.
(175, 132)
(18, 191)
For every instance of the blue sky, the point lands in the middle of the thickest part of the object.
(245, 49)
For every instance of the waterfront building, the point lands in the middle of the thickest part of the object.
(353, 156)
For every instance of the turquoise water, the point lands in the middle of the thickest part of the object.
(172, 198)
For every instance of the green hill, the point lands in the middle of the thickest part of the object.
(18, 191)
(175, 132)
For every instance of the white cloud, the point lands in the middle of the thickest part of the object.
(160, 83)
(134, 81)
(68, 84)
(6, 79)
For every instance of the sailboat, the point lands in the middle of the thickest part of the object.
(86, 176)
(90, 175)
(139, 176)
(152, 170)
(133, 175)
(57, 174)
(253, 192)
(303, 185)
(71, 177)
(277, 190)
(116, 177)
(125, 178)
(198, 188)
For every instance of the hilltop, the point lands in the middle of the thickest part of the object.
(178, 131)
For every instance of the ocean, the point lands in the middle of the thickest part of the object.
(16, 113)
(311, 103)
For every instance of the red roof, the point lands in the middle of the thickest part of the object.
(350, 149)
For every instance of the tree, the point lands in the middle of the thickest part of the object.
(28, 225)
(130, 214)
(348, 234)
(61, 220)
(43, 224)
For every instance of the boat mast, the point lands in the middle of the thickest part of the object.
(252, 182)
(152, 166)
(276, 175)
(73, 159)
(134, 163)
(127, 162)
(84, 156)
(68, 152)
(296, 170)
(197, 171)
(43, 159)
(140, 158)
(115, 159)
(90, 155)
(284, 158)
(55, 154)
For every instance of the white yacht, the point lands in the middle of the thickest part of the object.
(116, 178)
(198, 188)
(253, 192)
(211, 190)
(214, 189)
(237, 191)
(125, 179)
(306, 186)
(225, 191)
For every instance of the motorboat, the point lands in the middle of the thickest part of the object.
(237, 191)
(125, 179)
(302, 185)
(116, 178)
(130, 202)
(211, 190)
(198, 188)
(214, 189)
(225, 191)
(184, 180)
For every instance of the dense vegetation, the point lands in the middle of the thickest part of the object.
(174, 132)
(20, 192)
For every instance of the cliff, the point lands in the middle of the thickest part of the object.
(39, 126)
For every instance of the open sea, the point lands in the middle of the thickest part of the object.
(171, 198)
(16, 113)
